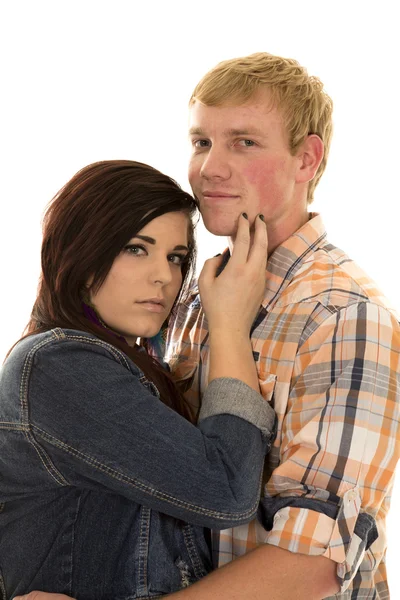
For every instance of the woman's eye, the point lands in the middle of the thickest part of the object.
(135, 250)
(177, 259)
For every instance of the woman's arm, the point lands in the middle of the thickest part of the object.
(95, 421)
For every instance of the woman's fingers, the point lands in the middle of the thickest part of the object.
(244, 251)
(241, 246)
(210, 270)
(233, 299)
(259, 250)
(248, 251)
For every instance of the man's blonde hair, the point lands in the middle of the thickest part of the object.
(305, 106)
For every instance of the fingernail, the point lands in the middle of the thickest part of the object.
(245, 215)
(262, 218)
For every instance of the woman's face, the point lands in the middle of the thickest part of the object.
(144, 280)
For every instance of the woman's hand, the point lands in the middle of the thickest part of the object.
(232, 299)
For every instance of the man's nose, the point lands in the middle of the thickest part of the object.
(215, 165)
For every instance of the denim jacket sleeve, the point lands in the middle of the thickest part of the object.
(95, 421)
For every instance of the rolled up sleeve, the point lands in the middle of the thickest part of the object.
(339, 442)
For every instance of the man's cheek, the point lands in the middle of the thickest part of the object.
(265, 185)
(260, 183)
(193, 173)
(260, 174)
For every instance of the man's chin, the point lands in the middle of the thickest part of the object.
(221, 227)
(221, 231)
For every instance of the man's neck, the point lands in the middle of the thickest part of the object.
(279, 232)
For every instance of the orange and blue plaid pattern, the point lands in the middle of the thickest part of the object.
(327, 350)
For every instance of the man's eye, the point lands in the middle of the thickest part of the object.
(135, 250)
(201, 143)
(247, 143)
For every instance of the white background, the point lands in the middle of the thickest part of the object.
(87, 80)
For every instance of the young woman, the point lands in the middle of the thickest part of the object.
(106, 484)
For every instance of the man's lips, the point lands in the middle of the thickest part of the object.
(209, 194)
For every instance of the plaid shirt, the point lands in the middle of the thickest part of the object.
(327, 350)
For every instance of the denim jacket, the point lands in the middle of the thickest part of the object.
(105, 491)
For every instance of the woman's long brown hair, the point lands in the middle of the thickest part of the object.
(85, 227)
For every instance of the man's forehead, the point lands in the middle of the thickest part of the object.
(235, 119)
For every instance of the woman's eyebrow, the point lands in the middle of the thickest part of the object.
(152, 241)
(146, 238)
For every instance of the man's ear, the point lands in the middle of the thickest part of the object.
(310, 154)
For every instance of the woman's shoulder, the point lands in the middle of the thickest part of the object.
(61, 344)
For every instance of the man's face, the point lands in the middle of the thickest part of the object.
(241, 162)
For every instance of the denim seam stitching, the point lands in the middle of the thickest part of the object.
(119, 357)
(143, 487)
(78, 504)
(193, 554)
(144, 535)
(24, 413)
(44, 458)
(23, 389)
(46, 461)
(95, 342)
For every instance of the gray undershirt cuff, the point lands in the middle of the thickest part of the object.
(227, 395)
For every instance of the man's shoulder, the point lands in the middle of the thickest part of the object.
(330, 277)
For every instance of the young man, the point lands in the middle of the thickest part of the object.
(325, 343)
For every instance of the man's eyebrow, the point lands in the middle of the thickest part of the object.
(196, 131)
(229, 132)
(243, 131)
(152, 241)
